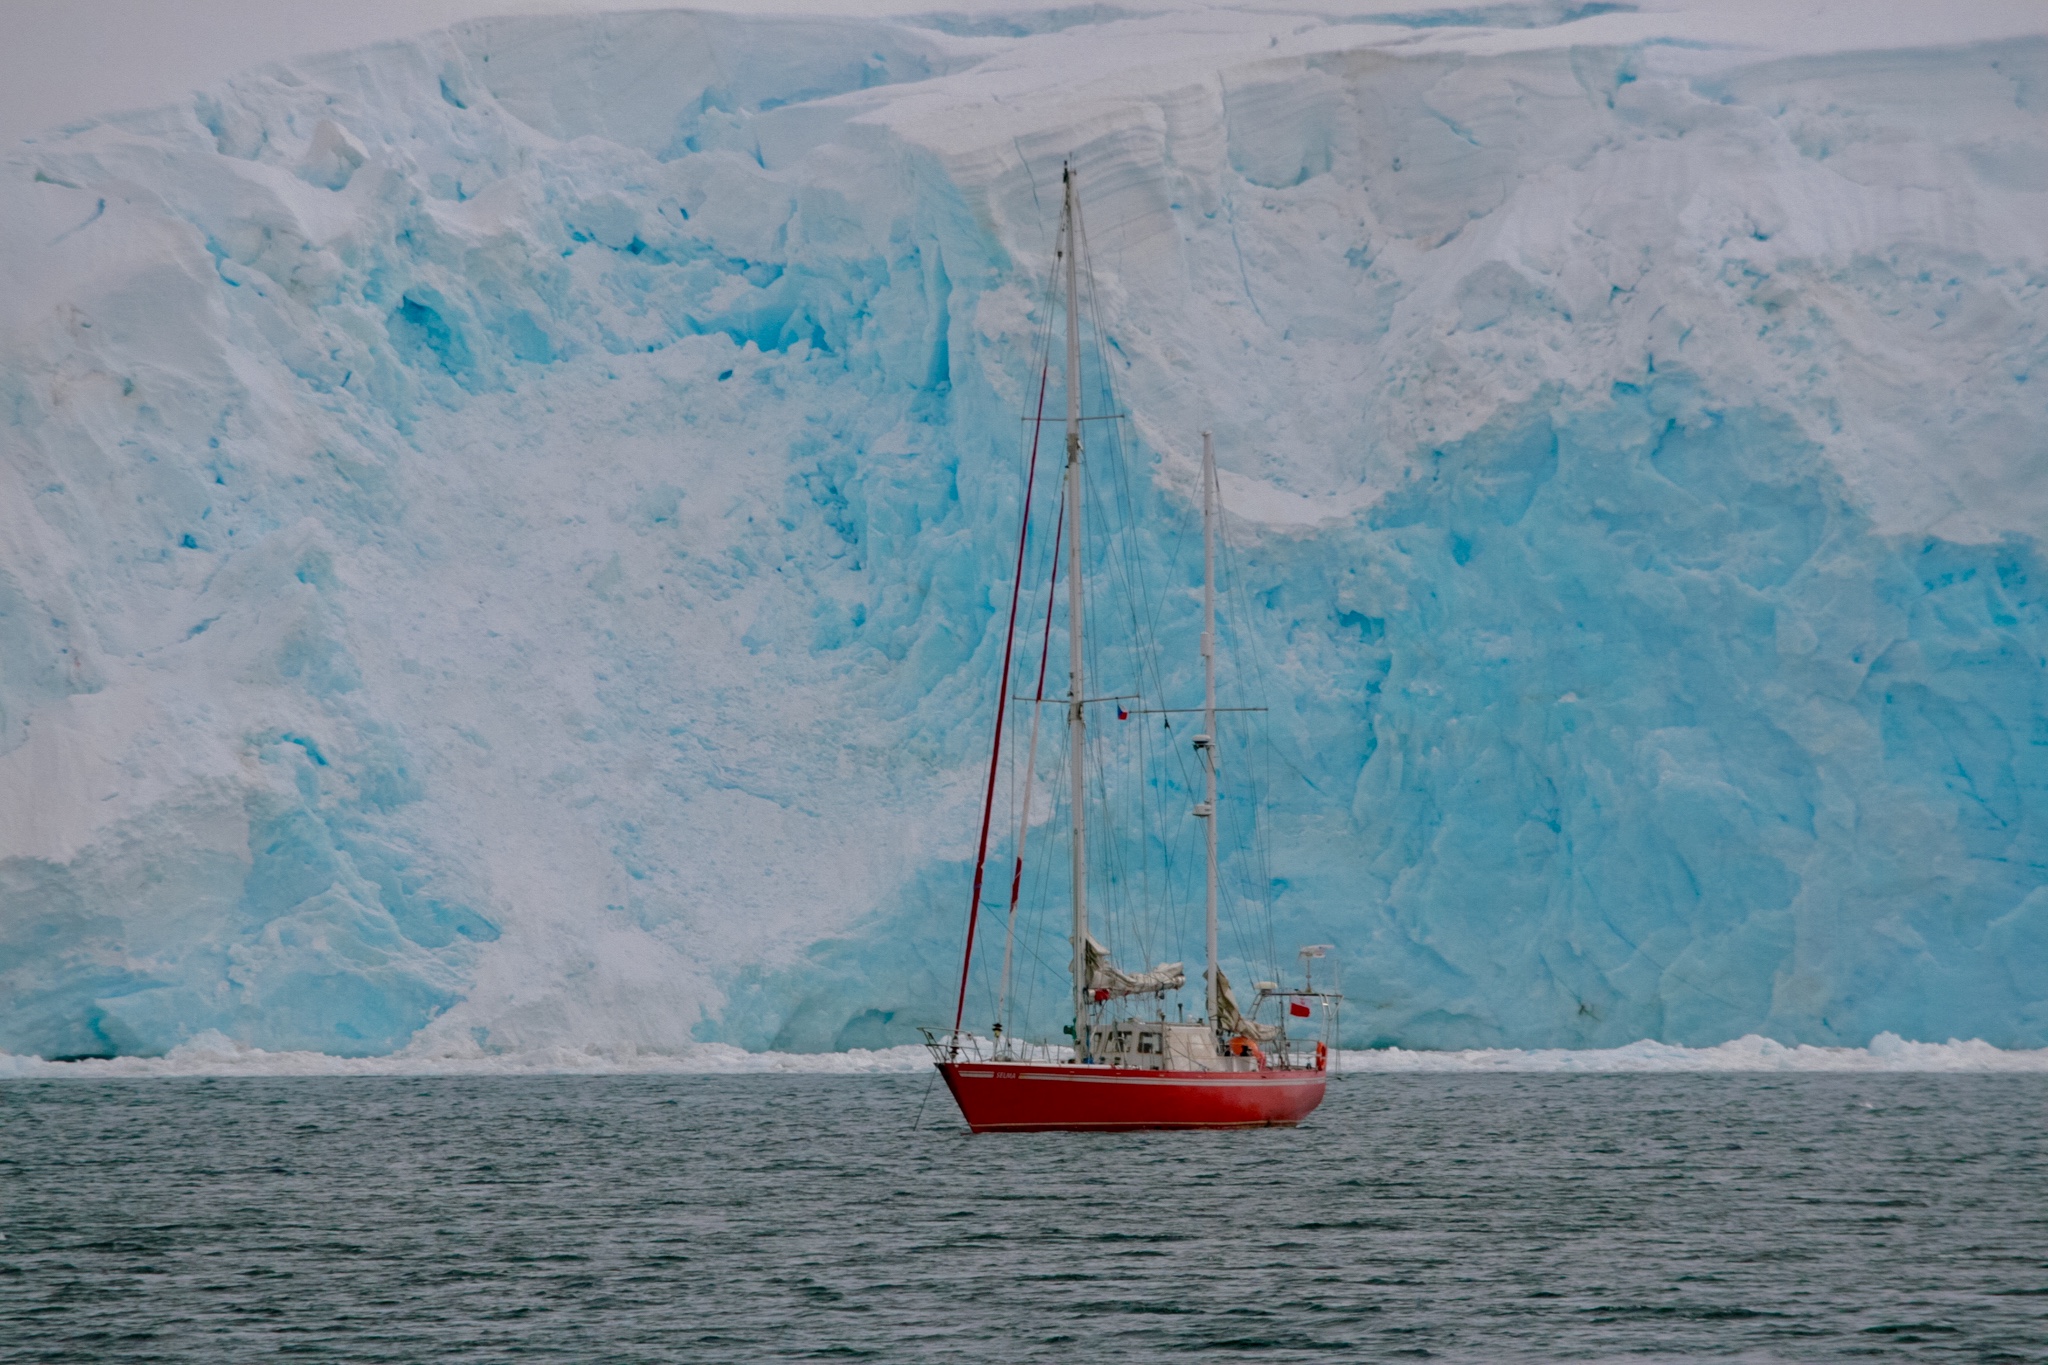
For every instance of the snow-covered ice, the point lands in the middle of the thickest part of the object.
(500, 533)
(213, 1054)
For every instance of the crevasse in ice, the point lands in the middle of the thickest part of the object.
(502, 537)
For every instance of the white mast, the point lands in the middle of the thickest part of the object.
(1207, 742)
(1077, 722)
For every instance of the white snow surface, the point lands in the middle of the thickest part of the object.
(501, 533)
(214, 1054)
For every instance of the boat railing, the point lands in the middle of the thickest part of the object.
(1287, 1050)
(1282, 1053)
(947, 1046)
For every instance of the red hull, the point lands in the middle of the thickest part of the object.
(1016, 1097)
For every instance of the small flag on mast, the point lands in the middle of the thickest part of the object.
(1298, 1008)
(1122, 714)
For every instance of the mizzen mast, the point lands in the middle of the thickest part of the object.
(1206, 742)
(1077, 719)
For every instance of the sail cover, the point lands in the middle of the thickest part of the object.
(1230, 1022)
(1106, 976)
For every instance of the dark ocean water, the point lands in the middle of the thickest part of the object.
(756, 1218)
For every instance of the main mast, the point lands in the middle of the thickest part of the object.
(1077, 720)
(1208, 740)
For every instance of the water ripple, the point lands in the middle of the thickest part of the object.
(792, 1217)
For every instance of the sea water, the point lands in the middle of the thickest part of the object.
(714, 1218)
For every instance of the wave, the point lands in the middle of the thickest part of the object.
(213, 1054)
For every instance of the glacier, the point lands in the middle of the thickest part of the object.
(504, 534)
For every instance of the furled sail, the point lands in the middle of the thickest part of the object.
(1108, 980)
(1230, 1023)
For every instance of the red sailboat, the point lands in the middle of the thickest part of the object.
(1128, 1066)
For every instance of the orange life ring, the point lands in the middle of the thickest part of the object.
(1240, 1045)
(1322, 1056)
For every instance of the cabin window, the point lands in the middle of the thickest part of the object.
(1122, 1041)
(1148, 1042)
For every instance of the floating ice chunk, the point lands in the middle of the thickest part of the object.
(1748, 1054)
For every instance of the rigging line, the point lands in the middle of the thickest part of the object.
(1126, 568)
(1175, 571)
(1002, 710)
(1260, 844)
(1032, 176)
(1036, 906)
(1145, 799)
(1105, 860)
(1251, 917)
(1108, 855)
(1131, 761)
(1024, 992)
(1042, 353)
(1124, 564)
(1254, 927)
(1145, 633)
(1260, 850)
(1252, 835)
(1134, 855)
(1258, 933)
(1142, 609)
(1231, 908)
(1031, 764)
(1160, 916)
(1242, 882)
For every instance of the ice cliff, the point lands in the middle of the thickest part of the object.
(502, 535)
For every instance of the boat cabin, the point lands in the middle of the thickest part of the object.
(1156, 1045)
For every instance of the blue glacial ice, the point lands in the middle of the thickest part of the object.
(502, 536)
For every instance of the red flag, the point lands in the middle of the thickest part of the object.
(1298, 1008)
